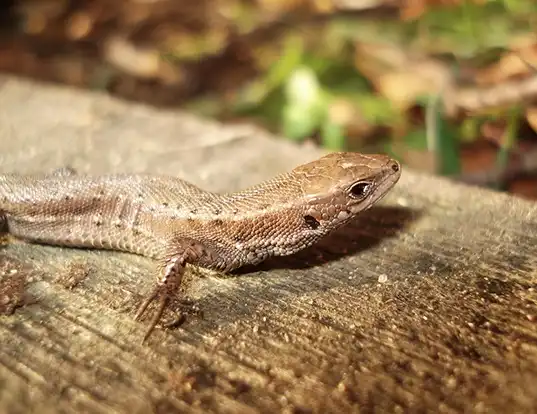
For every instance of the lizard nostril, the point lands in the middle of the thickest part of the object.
(396, 167)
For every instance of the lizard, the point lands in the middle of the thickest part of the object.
(177, 223)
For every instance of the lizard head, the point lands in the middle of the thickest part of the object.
(340, 185)
(294, 210)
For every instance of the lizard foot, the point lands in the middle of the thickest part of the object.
(167, 286)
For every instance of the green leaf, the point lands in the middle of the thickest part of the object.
(297, 123)
(416, 139)
(257, 91)
(333, 136)
(509, 138)
(376, 110)
(443, 140)
(447, 150)
(305, 106)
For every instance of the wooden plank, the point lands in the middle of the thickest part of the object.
(426, 304)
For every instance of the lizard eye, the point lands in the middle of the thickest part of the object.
(360, 189)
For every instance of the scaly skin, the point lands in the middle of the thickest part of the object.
(177, 223)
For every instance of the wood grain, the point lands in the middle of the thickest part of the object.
(426, 303)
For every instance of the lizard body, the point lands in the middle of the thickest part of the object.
(175, 222)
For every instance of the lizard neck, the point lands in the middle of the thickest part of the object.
(270, 195)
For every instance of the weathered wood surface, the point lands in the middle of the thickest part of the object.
(426, 304)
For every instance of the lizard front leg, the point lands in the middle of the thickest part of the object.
(171, 270)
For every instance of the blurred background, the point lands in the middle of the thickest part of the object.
(446, 86)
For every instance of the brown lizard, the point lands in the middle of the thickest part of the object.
(177, 223)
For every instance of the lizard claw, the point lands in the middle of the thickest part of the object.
(163, 301)
(147, 301)
(167, 286)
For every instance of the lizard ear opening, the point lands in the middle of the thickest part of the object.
(311, 222)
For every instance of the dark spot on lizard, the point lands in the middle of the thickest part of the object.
(193, 211)
(217, 212)
(67, 197)
(311, 222)
(165, 204)
(218, 222)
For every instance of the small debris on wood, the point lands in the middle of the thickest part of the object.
(75, 272)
